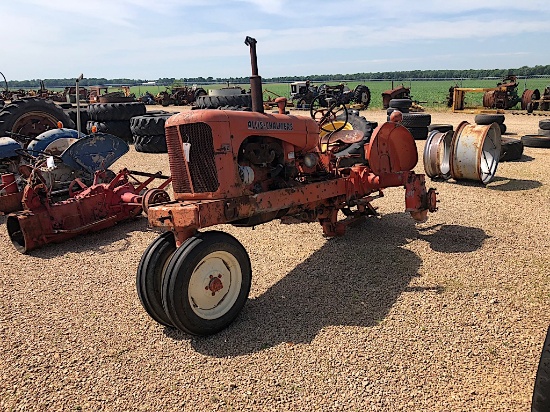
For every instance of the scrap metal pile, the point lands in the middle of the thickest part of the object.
(59, 186)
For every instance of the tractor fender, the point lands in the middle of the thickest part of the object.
(97, 152)
(8, 147)
(391, 149)
(43, 140)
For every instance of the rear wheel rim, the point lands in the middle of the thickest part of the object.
(32, 124)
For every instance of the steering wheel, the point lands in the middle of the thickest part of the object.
(329, 118)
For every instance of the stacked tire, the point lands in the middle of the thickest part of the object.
(114, 118)
(417, 123)
(544, 128)
(403, 105)
(485, 119)
(84, 117)
(217, 102)
(148, 132)
(540, 140)
(442, 128)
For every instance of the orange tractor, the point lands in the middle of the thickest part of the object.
(248, 168)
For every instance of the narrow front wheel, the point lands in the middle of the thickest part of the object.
(149, 276)
(206, 283)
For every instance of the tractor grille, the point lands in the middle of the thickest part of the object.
(202, 166)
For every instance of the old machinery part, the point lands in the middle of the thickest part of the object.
(437, 153)
(92, 209)
(332, 118)
(30, 117)
(528, 96)
(475, 152)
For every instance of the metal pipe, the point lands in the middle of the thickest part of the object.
(255, 79)
(78, 104)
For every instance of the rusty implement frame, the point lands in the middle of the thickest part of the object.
(94, 208)
(459, 105)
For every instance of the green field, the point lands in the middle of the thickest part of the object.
(431, 93)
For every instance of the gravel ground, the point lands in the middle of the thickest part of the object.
(449, 315)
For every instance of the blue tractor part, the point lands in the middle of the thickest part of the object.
(41, 142)
(8, 148)
(95, 152)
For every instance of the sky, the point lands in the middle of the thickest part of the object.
(148, 40)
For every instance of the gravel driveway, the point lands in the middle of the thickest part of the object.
(449, 315)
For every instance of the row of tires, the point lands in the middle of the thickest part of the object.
(129, 121)
(417, 123)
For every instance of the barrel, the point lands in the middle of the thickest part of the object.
(475, 151)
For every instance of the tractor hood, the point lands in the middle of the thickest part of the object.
(40, 142)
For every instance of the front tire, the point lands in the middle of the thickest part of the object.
(150, 273)
(206, 283)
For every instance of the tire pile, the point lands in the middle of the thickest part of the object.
(239, 101)
(148, 132)
(129, 121)
(114, 118)
(417, 123)
(540, 140)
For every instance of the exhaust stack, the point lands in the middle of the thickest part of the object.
(255, 79)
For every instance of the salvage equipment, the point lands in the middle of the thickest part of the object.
(88, 209)
(248, 168)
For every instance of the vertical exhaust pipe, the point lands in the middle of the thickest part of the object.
(255, 80)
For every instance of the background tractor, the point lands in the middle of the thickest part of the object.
(303, 94)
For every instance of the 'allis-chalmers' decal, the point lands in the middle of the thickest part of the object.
(259, 125)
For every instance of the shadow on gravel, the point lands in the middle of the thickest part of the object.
(524, 158)
(506, 184)
(100, 242)
(502, 183)
(353, 280)
(452, 238)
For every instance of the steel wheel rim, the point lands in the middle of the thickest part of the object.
(34, 123)
(214, 285)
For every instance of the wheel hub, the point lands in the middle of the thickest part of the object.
(215, 284)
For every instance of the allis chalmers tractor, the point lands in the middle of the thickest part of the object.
(248, 168)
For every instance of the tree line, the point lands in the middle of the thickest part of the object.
(541, 71)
